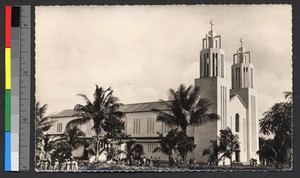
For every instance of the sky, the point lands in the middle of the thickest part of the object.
(143, 51)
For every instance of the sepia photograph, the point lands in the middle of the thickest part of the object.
(163, 88)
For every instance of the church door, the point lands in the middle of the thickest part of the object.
(237, 156)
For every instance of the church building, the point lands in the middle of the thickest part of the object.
(235, 104)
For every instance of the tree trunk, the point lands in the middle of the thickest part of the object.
(97, 147)
(184, 160)
(170, 161)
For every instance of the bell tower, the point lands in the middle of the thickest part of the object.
(242, 83)
(212, 56)
(213, 86)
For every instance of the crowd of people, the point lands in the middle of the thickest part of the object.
(69, 164)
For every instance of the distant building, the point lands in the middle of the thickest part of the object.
(235, 104)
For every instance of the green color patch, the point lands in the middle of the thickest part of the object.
(7, 110)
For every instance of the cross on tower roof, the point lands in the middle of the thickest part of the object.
(241, 40)
(211, 24)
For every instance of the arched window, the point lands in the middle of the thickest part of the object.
(237, 122)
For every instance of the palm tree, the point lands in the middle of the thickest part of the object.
(212, 152)
(133, 150)
(186, 108)
(42, 123)
(104, 107)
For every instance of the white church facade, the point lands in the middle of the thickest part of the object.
(235, 104)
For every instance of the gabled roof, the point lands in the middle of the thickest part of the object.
(238, 96)
(143, 107)
(64, 113)
(128, 108)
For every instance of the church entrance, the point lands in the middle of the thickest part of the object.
(237, 156)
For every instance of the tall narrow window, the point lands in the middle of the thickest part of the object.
(136, 126)
(150, 125)
(232, 79)
(59, 127)
(205, 65)
(237, 122)
(217, 64)
(222, 65)
(88, 128)
(236, 78)
(213, 64)
(251, 78)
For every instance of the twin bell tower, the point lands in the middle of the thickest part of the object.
(235, 103)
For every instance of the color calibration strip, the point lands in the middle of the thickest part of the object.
(17, 87)
(8, 150)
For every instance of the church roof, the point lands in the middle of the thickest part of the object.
(143, 107)
(64, 113)
(238, 96)
(128, 108)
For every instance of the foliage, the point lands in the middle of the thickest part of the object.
(168, 144)
(266, 152)
(133, 150)
(212, 152)
(175, 141)
(278, 122)
(186, 108)
(62, 147)
(228, 143)
(42, 123)
(185, 144)
(103, 111)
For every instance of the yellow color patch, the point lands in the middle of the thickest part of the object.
(7, 68)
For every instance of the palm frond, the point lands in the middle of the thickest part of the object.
(76, 122)
(86, 99)
(204, 119)
(157, 149)
(166, 118)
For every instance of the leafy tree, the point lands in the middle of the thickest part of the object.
(175, 141)
(266, 152)
(133, 150)
(229, 143)
(168, 144)
(102, 111)
(278, 122)
(186, 108)
(71, 139)
(212, 152)
(114, 131)
(185, 144)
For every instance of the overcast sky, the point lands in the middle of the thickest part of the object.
(142, 51)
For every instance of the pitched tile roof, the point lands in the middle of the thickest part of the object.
(64, 113)
(143, 107)
(128, 108)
